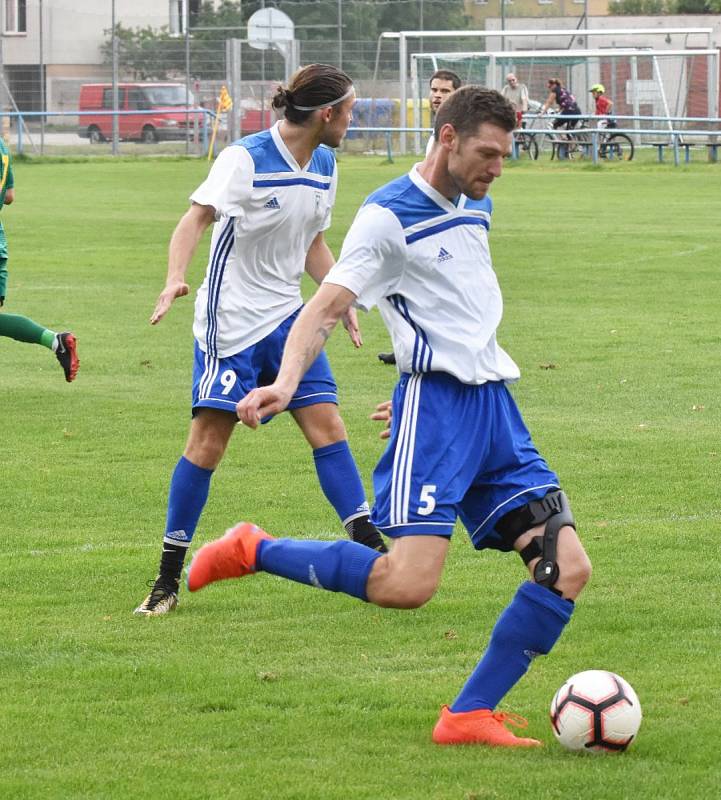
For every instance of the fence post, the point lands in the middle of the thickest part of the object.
(594, 145)
(205, 132)
(389, 147)
(20, 134)
(675, 150)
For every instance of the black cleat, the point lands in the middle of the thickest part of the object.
(387, 358)
(163, 598)
(67, 355)
(363, 531)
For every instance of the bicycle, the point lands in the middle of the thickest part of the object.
(578, 143)
(531, 140)
(526, 143)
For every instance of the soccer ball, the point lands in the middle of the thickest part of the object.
(595, 710)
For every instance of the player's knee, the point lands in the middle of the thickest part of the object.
(391, 587)
(209, 434)
(408, 597)
(415, 596)
(322, 425)
(575, 573)
(334, 428)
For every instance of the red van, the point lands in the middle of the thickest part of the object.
(167, 101)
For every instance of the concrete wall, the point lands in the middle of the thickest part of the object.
(605, 22)
(73, 30)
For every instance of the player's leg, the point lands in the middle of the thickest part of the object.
(314, 407)
(407, 577)
(418, 481)
(210, 432)
(64, 345)
(338, 474)
(536, 616)
(216, 390)
(3, 267)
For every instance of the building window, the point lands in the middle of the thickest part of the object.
(16, 17)
(550, 2)
(178, 12)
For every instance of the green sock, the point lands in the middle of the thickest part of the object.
(23, 329)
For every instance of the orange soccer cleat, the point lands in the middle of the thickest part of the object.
(67, 354)
(231, 556)
(480, 727)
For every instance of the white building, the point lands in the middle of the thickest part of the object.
(72, 34)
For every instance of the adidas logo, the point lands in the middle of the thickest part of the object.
(272, 203)
(178, 536)
(444, 255)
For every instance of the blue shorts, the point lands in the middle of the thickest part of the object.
(223, 382)
(455, 451)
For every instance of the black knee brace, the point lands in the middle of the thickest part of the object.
(554, 510)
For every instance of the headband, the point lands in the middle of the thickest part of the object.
(325, 105)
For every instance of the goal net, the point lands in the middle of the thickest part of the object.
(640, 82)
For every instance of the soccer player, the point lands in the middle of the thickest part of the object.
(418, 249)
(443, 82)
(270, 196)
(16, 326)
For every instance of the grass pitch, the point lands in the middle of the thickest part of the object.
(265, 689)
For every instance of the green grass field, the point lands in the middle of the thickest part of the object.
(265, 689)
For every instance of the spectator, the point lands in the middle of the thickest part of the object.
(603, 105)
(517, 95)
(565, 102)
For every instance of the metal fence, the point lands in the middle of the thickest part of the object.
(49, 115)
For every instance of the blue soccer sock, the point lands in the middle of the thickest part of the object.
(340, 566)
(188, 494)
(340, 481)
(529, 626)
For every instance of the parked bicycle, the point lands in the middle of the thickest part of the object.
(578, 143)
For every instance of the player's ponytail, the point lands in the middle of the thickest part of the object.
(312, 88)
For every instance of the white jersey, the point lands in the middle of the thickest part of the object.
(425, 263)
(268, 210)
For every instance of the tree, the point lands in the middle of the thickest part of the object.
(146, 53)
(149, 54)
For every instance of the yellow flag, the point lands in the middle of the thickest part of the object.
(224, 101)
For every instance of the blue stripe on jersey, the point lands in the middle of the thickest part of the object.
(267, 158)
(215, 279)
(422, 351)
(409, 204)
(291, 182)
(444, 226)
(484, 204)
(322, 162)
(262, 149)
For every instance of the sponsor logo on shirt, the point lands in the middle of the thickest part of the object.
(272, 203)
(444, 255)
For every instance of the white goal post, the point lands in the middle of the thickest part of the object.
(503, 35)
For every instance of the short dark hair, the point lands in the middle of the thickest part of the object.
(446, 75)
(311, 86)
(471, 106)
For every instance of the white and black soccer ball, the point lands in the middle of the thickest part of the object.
(596, 711)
